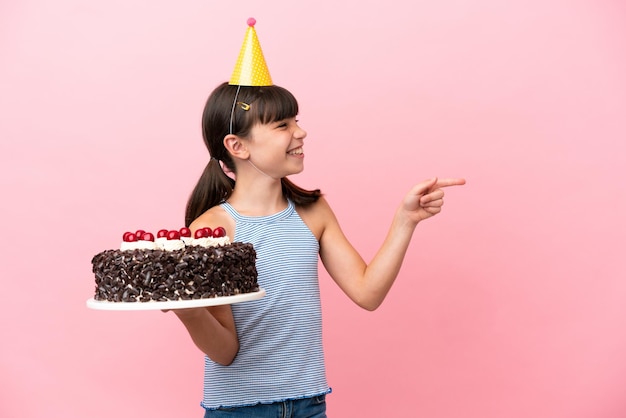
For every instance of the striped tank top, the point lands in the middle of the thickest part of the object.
(280, 335)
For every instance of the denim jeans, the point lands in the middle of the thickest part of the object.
(314, 407)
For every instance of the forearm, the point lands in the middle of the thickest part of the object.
(380, 274)
(212, 337)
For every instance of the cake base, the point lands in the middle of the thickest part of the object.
(173, 304)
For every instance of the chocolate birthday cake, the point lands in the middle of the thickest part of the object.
(175, 266)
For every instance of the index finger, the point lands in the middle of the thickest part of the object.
(448, 182)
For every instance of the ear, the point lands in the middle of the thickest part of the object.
(236, 146)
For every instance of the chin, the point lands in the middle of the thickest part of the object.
(295, 169)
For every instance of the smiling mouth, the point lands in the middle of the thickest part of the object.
(296, 151)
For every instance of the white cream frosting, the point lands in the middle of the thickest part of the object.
(137, 245)
(173, 245)
(129, 246)
(210, 242)
(160, 243)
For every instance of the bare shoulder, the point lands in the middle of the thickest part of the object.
(317, 216)
(214, 217)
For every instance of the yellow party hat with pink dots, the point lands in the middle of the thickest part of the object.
(251, 69)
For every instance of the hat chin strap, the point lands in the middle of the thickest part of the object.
(232, 111)
(259, 170)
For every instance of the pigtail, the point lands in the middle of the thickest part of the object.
(213, 187)
(299, 196)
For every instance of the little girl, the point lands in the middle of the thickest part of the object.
(264, 357)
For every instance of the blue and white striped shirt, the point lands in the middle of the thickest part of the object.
(280, 335)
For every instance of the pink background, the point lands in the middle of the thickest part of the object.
(511, 303)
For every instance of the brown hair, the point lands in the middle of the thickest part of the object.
(267, 104)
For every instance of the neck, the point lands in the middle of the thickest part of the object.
(256, 195)
(256, 192)
(259, 202)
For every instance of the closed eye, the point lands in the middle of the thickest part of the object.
(285, 123)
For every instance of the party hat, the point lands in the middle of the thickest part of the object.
(251, 69)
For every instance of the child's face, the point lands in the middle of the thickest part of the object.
(278, 147)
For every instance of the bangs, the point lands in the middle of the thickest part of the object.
(267, 104)
(274, 103)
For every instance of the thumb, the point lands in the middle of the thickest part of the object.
(424, 186)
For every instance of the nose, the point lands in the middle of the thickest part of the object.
(299, 132)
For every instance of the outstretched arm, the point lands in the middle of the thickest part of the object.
(367, 285)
